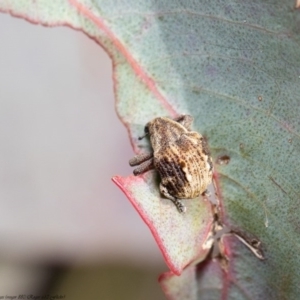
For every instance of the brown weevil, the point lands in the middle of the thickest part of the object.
(180, 156)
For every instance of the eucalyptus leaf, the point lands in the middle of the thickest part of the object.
(234, 66)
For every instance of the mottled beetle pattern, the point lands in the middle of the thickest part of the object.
(180, 156)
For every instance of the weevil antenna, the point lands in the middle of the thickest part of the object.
(141, 137)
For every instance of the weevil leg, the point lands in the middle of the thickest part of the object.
(138, 159)
(206, 193)
(144, 167)
(185, 120)
(180, 207)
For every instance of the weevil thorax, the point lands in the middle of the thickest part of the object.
(163, 132)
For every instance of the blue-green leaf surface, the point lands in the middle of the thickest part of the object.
(235, 66)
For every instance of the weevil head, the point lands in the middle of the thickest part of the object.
(163, 131)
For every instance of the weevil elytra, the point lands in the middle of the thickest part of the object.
(180, 156)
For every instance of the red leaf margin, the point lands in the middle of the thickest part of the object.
(174, 264)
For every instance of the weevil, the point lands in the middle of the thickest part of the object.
(180, 156)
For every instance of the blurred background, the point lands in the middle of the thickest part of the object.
(65, 228)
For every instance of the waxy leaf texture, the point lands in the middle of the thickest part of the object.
(234, 66)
